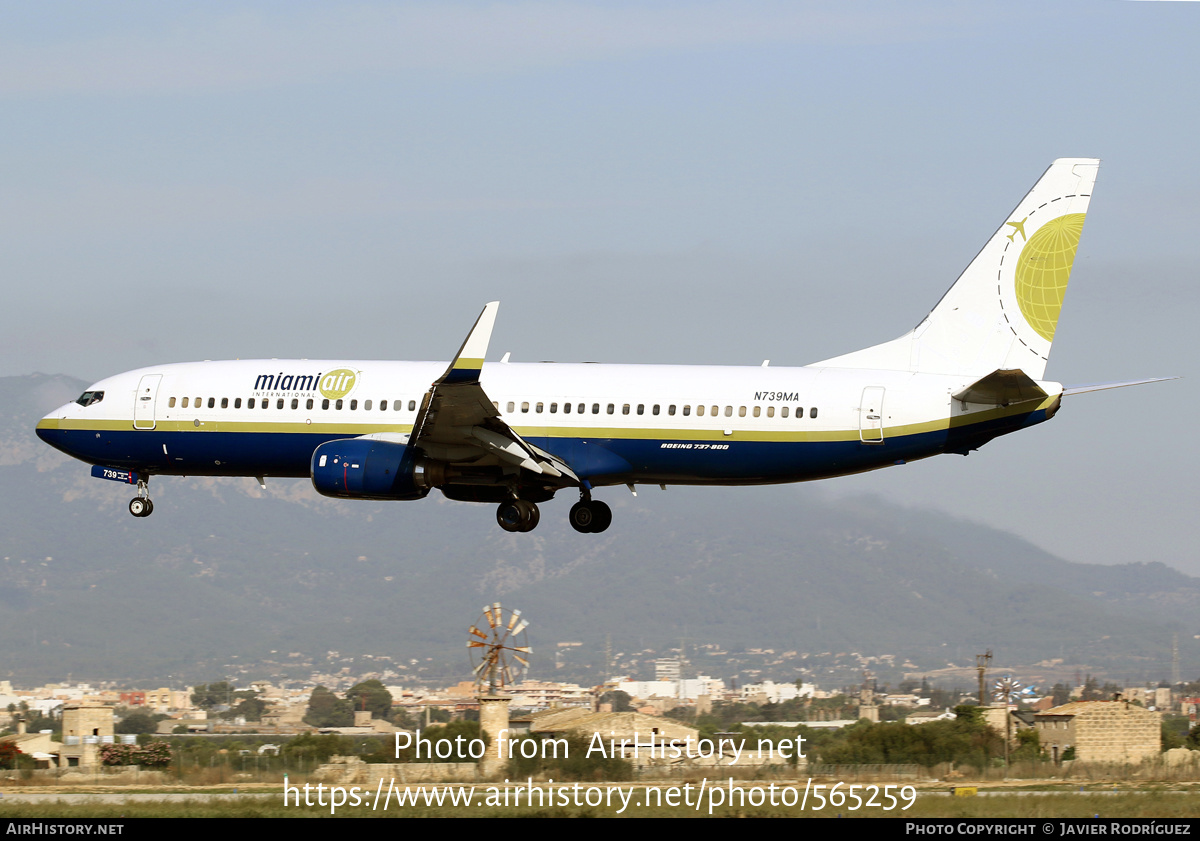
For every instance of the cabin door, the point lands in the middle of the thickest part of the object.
(870, 415)
(144, 400)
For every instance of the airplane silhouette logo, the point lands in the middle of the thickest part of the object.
(1017, 226)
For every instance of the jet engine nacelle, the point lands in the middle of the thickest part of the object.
(366, 468)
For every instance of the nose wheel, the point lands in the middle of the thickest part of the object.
(518, 515)
(141, 505)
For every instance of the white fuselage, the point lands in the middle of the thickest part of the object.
(667, 423)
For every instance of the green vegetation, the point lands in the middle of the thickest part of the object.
(461, 733)
(325, 709)
(564, 762)
(243, 703)
(371, 695)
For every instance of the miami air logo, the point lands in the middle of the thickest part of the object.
(337, 384)
(1043, 270)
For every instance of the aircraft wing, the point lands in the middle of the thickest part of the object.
(459, 423)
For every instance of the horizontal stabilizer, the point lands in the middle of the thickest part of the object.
(1002, 388)
(1084, 389)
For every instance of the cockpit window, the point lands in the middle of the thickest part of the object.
(90, 397)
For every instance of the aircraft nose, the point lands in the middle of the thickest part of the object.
(47, 427)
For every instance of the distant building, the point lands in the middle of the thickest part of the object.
(1100, 731)
(770, 692)
(40, 746)
(85, 728)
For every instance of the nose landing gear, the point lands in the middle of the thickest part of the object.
(141, 505)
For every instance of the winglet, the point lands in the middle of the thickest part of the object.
(467, 364)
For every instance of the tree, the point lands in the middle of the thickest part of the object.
(1192, 742)
(251, 709)
(209, 695)
(371, 695)
(1029, 746)
(620, 700)
(9, 755)
(328, 710)
(139, 722)
(318, 748)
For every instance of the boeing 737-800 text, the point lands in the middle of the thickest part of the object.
(515, 434)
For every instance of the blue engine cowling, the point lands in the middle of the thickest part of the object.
(366, 468)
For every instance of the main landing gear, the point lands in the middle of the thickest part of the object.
(141, 505)
(518, 515)
(590, 516)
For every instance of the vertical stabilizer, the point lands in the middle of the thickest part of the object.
(1002, 311)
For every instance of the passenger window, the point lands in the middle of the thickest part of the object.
(812, 413)
(295, 402)
(237, 402)
(539, 408)
(654, 411)
(728, 411)
(353, 405)
(366, 405)
(595, 408)
(212, 402)
(687, 410)
(671, 409)
(580, 408)
(566, 408)
(171, 403)
(224, 402)
(714, 410)
(338, 405)
(625, 409)
(266, 404)
(198, 403)
(757, 411)
(741, 411)
(524, 407)
(279, 403)
(324, 403)
(249, 403)
(512, 407)
(799, 412)
(783, 412)
(641, 409)
(412, 405)
(308, 403)
(184, 403)
(699, 411)
(553, 408)
(397, 405)
(770, 411)
(611, 408)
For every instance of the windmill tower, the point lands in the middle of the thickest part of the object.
(499, 653)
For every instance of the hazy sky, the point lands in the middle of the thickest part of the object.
(716, 182)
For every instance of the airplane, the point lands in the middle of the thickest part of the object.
(515, 434)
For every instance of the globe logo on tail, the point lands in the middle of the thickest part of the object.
(1044, 269)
